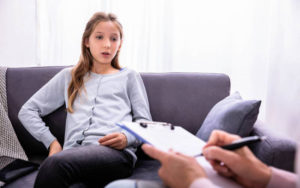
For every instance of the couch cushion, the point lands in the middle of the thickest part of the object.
(232, 115)
(23, 182)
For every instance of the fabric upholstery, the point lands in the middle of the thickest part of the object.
(233, 115)
(276, 150)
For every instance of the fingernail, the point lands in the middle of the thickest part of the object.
(205, 152)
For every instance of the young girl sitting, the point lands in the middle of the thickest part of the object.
(97, 94)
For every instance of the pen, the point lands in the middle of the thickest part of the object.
(240, 143)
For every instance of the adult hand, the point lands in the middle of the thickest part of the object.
(240, 165)
(54, 147)
(114, 140)
(177, 170)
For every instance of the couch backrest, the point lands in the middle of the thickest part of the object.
(179, 98)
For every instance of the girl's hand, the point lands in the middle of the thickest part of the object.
(114, 140)
(55, 147)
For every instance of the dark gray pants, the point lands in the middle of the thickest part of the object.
(95, 166)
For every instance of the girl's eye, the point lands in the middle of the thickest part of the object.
(114, 38)
(99, 37)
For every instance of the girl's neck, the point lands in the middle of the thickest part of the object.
(104, 69)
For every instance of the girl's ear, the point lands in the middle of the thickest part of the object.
(86, 42)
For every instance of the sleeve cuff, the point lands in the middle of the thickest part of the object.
(47, 138)
(282, 178)
(131, 140)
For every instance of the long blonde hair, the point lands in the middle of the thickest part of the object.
(85, 63)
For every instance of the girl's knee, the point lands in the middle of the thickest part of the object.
(54, 163)
(52, 173)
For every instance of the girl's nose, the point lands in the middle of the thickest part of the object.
(107, 44)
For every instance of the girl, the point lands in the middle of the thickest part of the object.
(97, 94)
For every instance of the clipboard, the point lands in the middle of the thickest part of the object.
(160, 135)
(165, 136)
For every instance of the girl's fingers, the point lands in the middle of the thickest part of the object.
(114, 140)
(108, 137)
(110, 142)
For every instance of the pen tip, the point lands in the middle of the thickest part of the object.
(199, 155)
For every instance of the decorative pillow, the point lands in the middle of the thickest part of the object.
(232, 114)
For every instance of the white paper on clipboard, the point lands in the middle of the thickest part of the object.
(164, 138)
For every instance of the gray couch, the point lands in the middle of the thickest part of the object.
(179, 98)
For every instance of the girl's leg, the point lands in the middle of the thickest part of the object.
(93, 165)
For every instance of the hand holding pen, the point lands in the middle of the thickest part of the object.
(235, 161)
(178, 170)
(246, 141)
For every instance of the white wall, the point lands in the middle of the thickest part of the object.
(256, 43)
(17, 33)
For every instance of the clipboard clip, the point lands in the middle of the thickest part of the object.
(145, 124)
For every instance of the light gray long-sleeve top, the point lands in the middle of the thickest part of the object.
(105, 100)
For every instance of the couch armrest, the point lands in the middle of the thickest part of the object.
(276, 150)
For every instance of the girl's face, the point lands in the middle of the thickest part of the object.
(104, 42)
